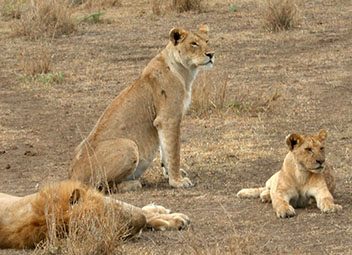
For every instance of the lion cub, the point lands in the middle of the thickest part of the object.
(145, 116)
(304, 175)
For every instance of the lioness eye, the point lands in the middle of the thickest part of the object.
(194, 44)
(309, 149)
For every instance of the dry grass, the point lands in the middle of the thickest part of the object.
(45, 18)
(12, 9)
(95, 4)
(186, 5)
(281, 15)
(35, 62)
(161, 7)
(207, 96)
(86, 233)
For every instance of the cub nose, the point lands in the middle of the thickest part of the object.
(210, 54)
(320, 161)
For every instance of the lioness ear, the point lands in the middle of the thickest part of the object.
(322, 135)
(204, 29)
(75, 196)
(177, 35)
(293, 140)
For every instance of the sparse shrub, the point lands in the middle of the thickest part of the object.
(45, 18)
(36, 67)
(93, 17)
(186, 5)
(35, 62)
(157, 7)
(96, 4)
(281, 15)
(233, 8)
(12, 8)
(50, 78)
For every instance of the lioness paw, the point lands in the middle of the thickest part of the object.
(285, 212)
(166, 173)
(183, 183)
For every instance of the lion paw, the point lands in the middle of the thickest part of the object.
(183, 183)
(173, 221)
(285, 212)
(160, 218)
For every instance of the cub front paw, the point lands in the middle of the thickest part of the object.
(182, 183)
(285, 212)
(332, 208)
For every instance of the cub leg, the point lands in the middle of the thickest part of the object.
(281, 205)
(325, 201)
(110, 162)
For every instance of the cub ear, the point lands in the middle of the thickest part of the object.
(322, 135)
(204, 29)
(177, 35)
(76, 196)
(293, 141)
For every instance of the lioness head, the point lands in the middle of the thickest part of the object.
(308, 150)
(191, 49)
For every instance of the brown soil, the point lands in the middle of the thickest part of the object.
(277, 83)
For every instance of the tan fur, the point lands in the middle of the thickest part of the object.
(24, 220)
(146, 115)
(303, 176)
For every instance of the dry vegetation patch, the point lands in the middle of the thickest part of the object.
(209, 96)
(281, 15)
(45, 18)
(161, 7)
(96, 4)
(12, 9)
(89, 232)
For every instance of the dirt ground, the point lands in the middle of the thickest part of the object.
(277, 83)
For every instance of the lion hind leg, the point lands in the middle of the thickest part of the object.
(251, 192)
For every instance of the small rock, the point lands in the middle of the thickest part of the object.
(30, 153)
(8, 166)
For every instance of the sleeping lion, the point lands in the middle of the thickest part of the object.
(25, 221)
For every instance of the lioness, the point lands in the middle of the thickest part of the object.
(24, 220)
(304, 175)
(146, 115)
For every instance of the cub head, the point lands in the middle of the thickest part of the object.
(308, 151)
(191, 49)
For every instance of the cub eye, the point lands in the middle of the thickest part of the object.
(322, 148)
(194, 44)
(308, 149)
(206, 41)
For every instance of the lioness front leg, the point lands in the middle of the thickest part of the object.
(169, 136)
